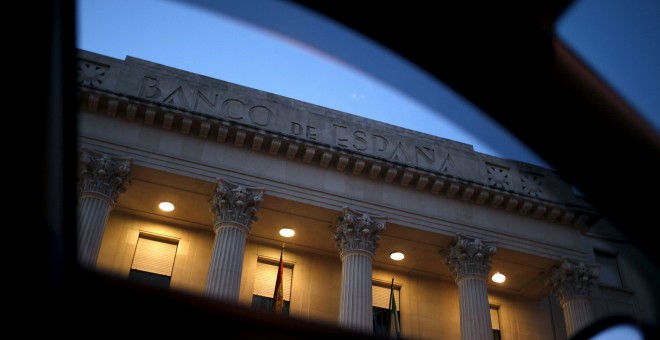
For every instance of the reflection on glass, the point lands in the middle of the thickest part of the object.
(618, 332)
(618, 39)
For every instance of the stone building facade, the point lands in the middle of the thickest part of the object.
(239, 164)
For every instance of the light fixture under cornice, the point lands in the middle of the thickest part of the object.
(287, 232)
(498, 277)
(166, 206)
(397, 256)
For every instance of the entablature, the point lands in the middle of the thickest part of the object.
(159, 96)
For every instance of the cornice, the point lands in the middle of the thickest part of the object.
(156, 95)
(349, 162)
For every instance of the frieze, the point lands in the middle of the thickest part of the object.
(218, 99)
(153, 94)
(229, 106)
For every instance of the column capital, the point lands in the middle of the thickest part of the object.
(469, 256)
(570, 279)
(235, 203)
(102, 174)
(358, 231)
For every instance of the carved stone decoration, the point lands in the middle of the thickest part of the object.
(469, 256)
(91, 74)
(235, 203)
(357, 236)
(532, 184)
(374, 171)
(103, 174)
(358, 166)
(498, 177)
(438, 184)
(571, 279)
(131, 111)
(448, 167)
(275, 145)
(187, 103)
(101, 178)
(234, 207)
(357, 231)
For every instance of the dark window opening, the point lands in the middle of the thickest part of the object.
(381, 318)
(266, 303)
(152, 279)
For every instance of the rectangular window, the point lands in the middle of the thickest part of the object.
(153, 260)
(380, 295)
(609, 274)
(264, 284)
(495, 320)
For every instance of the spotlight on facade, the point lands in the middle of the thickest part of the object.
(397, 256)
(166, 206)
(287, 232)
(498, 277)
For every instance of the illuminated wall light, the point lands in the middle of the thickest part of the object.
(397, 256)
(166, 206)
(287, 232)
(498, 277)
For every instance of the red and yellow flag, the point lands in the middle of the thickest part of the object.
(278, 295)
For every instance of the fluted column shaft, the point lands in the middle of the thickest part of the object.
(224, 277)
(468, 259)
(474, 307)
(93, 212)
(101, 179)
(577, 314)
(357, 236)
(572, 281)
(234, 207)
(356, 311)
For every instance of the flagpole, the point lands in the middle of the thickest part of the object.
(389, 309)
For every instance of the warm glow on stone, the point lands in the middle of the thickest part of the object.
(166, 206)
(498, 277)
(287, 232)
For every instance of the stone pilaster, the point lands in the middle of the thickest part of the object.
(468, 259)
(357, 236)
(572, 281)
(101, 179)
(234, 208)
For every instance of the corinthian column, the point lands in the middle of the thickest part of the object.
(101, 178)
(234, 207)
(572, 282)
(356, 235)
(469, 260)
